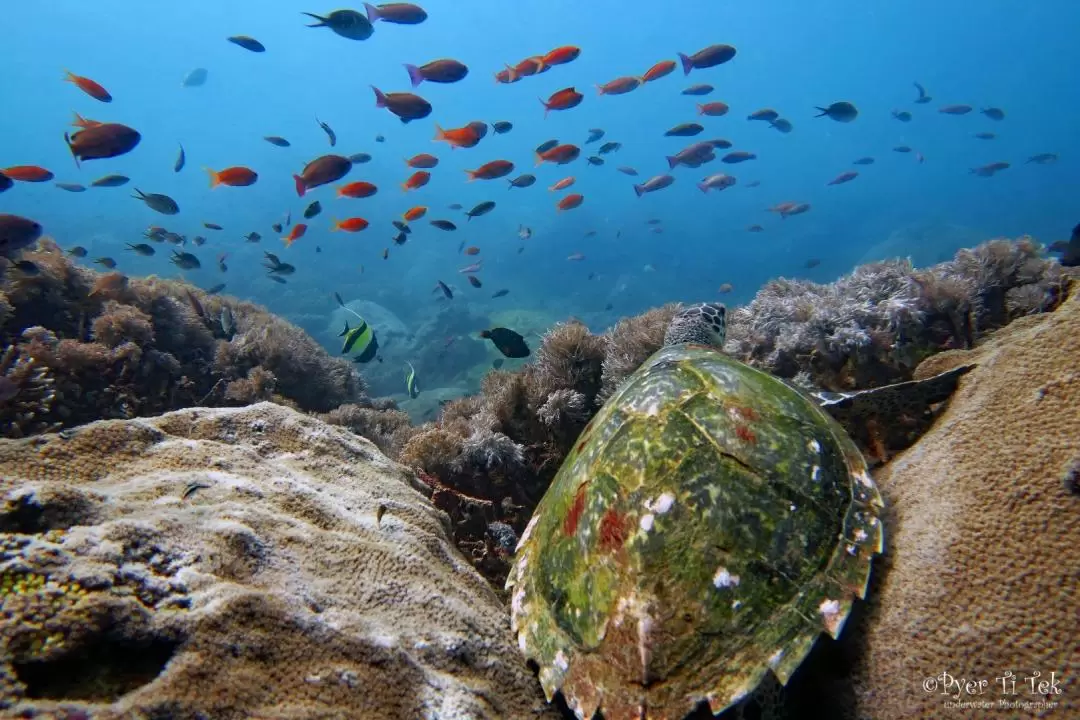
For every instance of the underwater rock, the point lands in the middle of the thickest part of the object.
(239, 563)
(983, 535)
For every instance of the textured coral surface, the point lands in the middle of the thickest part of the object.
(239, 563)
(981, 575)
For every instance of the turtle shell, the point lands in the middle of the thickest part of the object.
(710, 522)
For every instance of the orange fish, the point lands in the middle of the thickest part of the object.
(88, 86)
(415, 213)
(358, 189)
(619, 86)
(298, 231)
(570, 202)
(355, 224)
(234, 176)
(463, 137)
(562, 184)
(27, 173)
(506, 76)
(527, 67)
(562, 100)
(418, 179)
(423, 161)
(82, 122)
(659, 70)
(560, 154)
(562, 55)
(491, 171)
(472, 250)
(712, 109)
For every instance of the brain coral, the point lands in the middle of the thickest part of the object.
(982, 578)
(238, 563)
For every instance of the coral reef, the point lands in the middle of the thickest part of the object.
(236, 563)
(79, 346)
(874, 326)
(979, 577)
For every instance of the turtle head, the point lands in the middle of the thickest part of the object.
(702, 324)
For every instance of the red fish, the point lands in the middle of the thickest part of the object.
(28, 173)
(562, 184)
(415, 213)
(712, 109)
(659, 70)
(562, 100)
(471, 250)
(619, 86)
(355, 224)
(527, 67)
(463, 137)
(297, 233)
(562, 55)
(234, 176)
(423, 161)
(560, 154)
(491, 171)
(105, 140)
(506, 76)
(571, 201)
(82, 122)
(88, 86)
(359, 189)
(418, 179)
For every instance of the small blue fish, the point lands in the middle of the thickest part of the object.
(410, 381)
(181, 160)
(248, 43)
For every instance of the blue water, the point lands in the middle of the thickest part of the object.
(791, 56)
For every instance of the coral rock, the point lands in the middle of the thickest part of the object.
(980, 576)
(239, 563)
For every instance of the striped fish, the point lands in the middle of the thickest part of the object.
(410, 381)
(361, 339)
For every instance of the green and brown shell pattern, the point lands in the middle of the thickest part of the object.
(710, 523)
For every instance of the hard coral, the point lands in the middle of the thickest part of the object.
(118, 347)
(26, 394)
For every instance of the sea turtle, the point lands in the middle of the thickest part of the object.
(711, 521)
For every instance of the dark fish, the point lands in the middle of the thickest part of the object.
(846, 176)
(812, 263)
(993, 113)
(474, 281)
(864, 161)
(78, 251)
(157, 202)
(764, 114)
(698, 90)
(706, 58)
(545, 146)
(111, 181)
(142, 249)
(212, 226)
(406, 106)
(248, 43)
(594, 160)
(955, 109)
(437, 71)
(401, 237)
(990, 169)
(445, 289)
(403, 227)
(782, 125)
(312, 210)
(321, 171)
(71, 187)
(984, 136)
(692, 155)
(1070, 250)
(329, 132)
(252, 237)
(216, 289)
(594, 135)
(195, 78)
(277, 140)
(16, 233)
(348, 24)
(508, 342)
(379, 139)
(278, 280)
(502, 127)
(902, 115)
(653, 184)
(719, 143)
(399, 13)
(185, 260)
(500, 293)
(105, 262)
(839, 111)
(276, 227)
(626, 170)
(360, 158)
(454, 206)
(738, 156)
(609, 147)
(5, 182)
(26, 267)
(98, 142)
(1042, 159)
(181, 160)
(444, 224)
(902, 149)
(684, 130)
(198, 241)
(922, 98)
(482, 209)
(521, 181)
